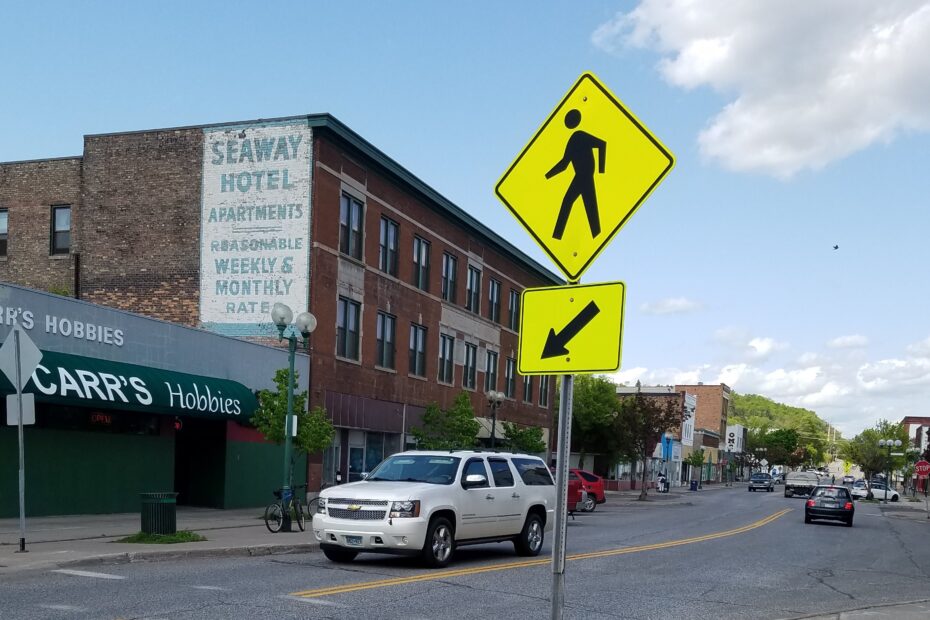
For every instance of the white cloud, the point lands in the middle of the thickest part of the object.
(760, 348)
(920, 349)
(672, 305)
(848, 342)
(808, 82)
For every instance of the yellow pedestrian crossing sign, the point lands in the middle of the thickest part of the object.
(571, 329)
(589, 167)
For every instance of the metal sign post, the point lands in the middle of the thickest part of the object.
(22, 447)
(561, 495)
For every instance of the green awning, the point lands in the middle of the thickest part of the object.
(79, 381)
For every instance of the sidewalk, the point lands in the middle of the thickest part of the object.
(53, 542)
(906, 509)
(915, 610)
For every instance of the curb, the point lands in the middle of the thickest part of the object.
(835, 615)
(172, 554)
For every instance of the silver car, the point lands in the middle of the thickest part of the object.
(762, 481)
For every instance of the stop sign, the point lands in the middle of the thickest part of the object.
(922, 468)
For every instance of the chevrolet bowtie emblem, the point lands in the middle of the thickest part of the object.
(354, 507)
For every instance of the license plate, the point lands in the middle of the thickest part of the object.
(829, 505)
(354, 540)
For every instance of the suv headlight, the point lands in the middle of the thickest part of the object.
(321, 506)
(406, 509)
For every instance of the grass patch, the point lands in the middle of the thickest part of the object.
(183, 536)
(914, 499)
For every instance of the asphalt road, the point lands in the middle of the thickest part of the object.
(725, 554)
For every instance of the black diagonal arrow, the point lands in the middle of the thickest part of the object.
(555, 343)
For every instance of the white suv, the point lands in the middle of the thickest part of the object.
(428, 502)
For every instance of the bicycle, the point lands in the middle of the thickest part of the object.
(287, 501)
(314, 504)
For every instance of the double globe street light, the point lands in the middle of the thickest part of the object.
(282, 316)
(888, 443)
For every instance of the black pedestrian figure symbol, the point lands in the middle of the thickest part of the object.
(579, 152)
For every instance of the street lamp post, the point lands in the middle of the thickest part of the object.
(888, 443)
(495, 399)
(282, 316)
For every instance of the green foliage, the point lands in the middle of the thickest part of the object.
(696, 461)
(453, 429)
(528, 439)
(182, 536)
(594, 409)
(314, 430)
(761, 415)
(864, 451)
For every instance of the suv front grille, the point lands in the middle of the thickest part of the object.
(357, 515)
(360, 502)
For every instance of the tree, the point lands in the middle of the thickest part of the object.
(528, 439)
(864, 451)
(696, 461)
(640, 422)
(594, 405)
(315, 432)
(453, 429)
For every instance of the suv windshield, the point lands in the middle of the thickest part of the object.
(761, 477)
(416, 468)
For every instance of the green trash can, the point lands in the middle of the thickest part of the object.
(158, 513)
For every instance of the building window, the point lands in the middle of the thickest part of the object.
(385, 337)
(421, 263)
(494, 300)
(470, 372)
(449, 265)
(4, 230)
(490, 375)
(446, 357)
(387, 249)
(528, 389)
(347, 328)
(417, 350)
(544, 391)
(473, 290)
(350, 227)
(514, 316)
(510, 377)
(61, 229)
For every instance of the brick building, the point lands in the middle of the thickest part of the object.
(710, 424)
(208, 226)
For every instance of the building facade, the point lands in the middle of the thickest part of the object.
(209, 226)
(710, 425)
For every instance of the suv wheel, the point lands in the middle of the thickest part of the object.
(340, 556)
(530, 540)
(439, 544)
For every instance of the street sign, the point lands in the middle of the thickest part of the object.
(584, 173)
(12, 409)
(29, 357)
(571, 329)
(764, 463)
(922, 468)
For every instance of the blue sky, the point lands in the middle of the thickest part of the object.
(794, 127)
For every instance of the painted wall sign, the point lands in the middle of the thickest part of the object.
(255, 224)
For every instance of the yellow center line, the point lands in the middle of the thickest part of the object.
(446, 574)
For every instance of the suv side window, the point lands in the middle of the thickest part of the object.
(475, 466)
(503, 477)
(533, 472)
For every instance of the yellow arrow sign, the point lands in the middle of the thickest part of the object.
(583, 175)
(571, 329)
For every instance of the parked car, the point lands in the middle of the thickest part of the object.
(429, 503)
(800, 483)
(830, 502)
(879, 491)
(848, 480)
(761, 481)
(593, 485)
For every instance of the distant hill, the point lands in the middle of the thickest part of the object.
(764, 414)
